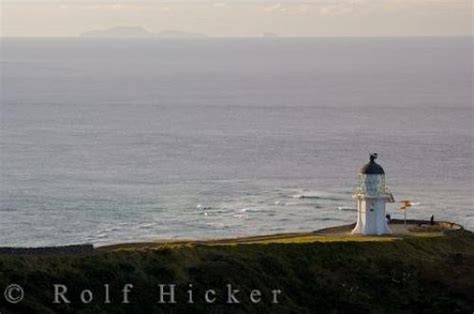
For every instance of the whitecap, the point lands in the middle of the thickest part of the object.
(146, 225)
(248, 209)
(202, 207)
(347, 208)
(256, 210)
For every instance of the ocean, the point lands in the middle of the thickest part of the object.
(106, 141)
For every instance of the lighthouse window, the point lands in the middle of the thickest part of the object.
(371, 209)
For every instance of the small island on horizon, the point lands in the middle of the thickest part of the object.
(139, 32)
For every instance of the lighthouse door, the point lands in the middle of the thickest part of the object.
(371, 218)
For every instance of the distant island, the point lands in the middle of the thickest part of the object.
(269, 35)
(138, 32)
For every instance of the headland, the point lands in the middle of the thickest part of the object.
(426, 268)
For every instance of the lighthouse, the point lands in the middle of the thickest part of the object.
(371, 194)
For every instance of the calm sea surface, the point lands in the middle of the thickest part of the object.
(106, 141)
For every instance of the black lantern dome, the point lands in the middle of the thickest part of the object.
(372, 167)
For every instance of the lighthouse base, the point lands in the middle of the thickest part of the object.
(378, 228)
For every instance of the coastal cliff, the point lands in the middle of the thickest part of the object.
(432, 274)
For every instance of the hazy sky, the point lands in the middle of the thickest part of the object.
(241, 18)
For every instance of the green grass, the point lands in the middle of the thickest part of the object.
(413, 275)
(265, 239)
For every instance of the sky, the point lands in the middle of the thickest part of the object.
(241, 18)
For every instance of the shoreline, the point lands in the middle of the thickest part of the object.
(427, 272)
(432, 274)
(331, 234)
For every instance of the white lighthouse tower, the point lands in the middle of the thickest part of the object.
(371, 196)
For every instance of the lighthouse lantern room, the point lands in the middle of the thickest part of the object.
(371, 194)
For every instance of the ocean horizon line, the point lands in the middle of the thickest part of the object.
(207, 37)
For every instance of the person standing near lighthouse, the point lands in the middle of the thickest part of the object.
(371, 196)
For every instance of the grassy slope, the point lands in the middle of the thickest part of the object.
(265, 239)
(429, 274)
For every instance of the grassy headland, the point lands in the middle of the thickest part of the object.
(409, 275)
